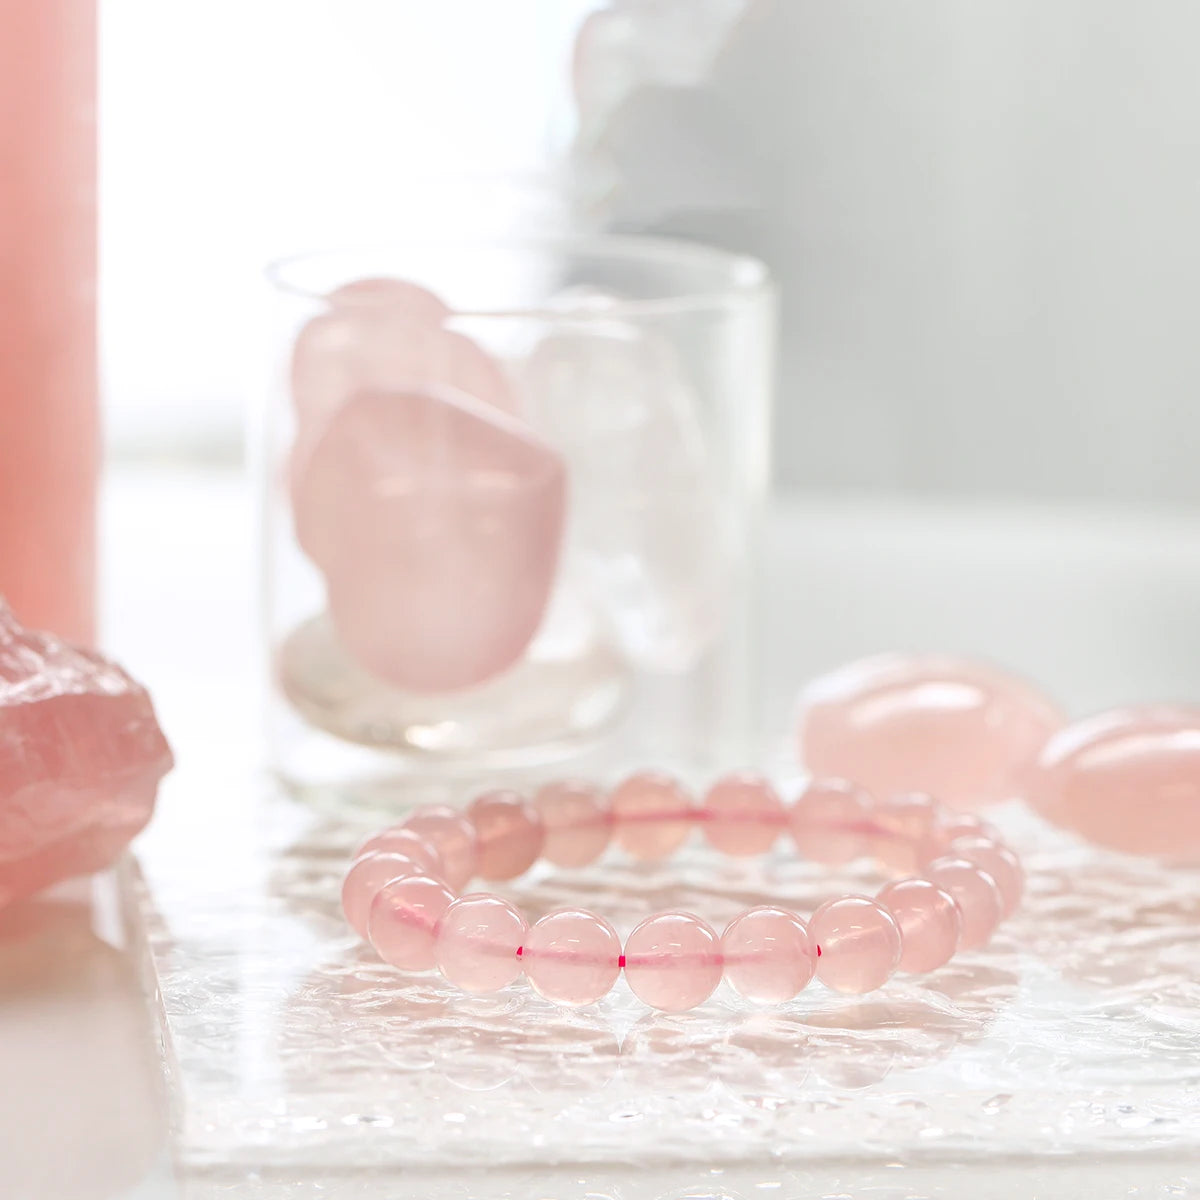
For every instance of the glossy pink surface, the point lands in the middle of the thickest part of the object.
(977, 894)
(673, 961)
(999, 862)
(365, 878)
(743, 815)
(860, 944)
(930, 923)
(402, 919)
(508, 835)
(572, 957)
(769, 956)
(476, 943)
(575, 820)
(904, 823)
(402, 299)
(651, 814)
(406, 842)
(962, 731)
(451, 835)
(830, 821)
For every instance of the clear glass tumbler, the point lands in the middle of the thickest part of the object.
(511, 494)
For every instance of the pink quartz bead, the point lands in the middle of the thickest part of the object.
(904, 823)
(930, 923)
(508, 835)
(406, 842)
(572, 957)
(859, 944)
(977, 895)
(402, 919)
(769, 956)
(673, 961)
(830, 821)
(576, 823)
(652, 815)
(364, 879)
(999, 862)
(478, 941)
(743, 815)
(452, 836)
(949, 827)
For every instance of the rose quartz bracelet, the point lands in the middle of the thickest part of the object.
(402, 891)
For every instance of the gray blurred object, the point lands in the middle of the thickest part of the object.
(983, 214)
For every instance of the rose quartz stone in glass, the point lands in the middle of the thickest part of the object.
(860, 944)
(364, 879)
(930, 923)
(1129, 779)
(977, 895)
(508, 835)
(576, 823)
(651, 814)
(402, 919)
(477, 942)
(999, 862)
(769, 956)
(673, 961)
(452, 836)
(572, 957)
(964, 732)
(406, 842)
(743, 815)
(830, 821)
(904, 823)
(403, 299)
(437, 523)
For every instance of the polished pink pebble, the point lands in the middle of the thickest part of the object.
(673, 961)
(743, 815)
(364, 879)
(402, 919)
(477, 941)
(572, 957)
(930, 923)
(977, 894)
(652, 815)
(452, 836)
(860, 944)
(831, 821)
(999, 862)
(508, 835)
(406, 842)
(962, 731)
(769, 956)
(402, 299)
(576, 823)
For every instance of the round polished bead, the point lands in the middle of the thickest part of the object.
(769, 956)
(742, 815)
(930, 923)
(406, 842)
(859, 944)
(402, 919)
(977, 894)
(364, 879)
(948, 828)
(452, 836)
(830, 821)
(903, 824)
(508, 835)
(999, 862)
(673, 961)
(652, 815)
(477, 943)
(576, 823)
(572, 957)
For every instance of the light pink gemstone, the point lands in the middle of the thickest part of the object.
(830, 821)
(437, 522)
(904, 824)
(572, 957)
(364, 879)
(401, 298)
(508, 835)
(961, 731)
(652, 815)
(452, 836)
(930, 923)
(859, 941)
(576, 822)
(402, 919)
(743, 815)
(769, 956)
(406, 842)
(977, 894)
(999, 862)
(477, 943)
(673, 961)
(948, 828)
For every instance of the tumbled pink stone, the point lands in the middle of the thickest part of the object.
(743, 814)
(477, 942)
(977, 895)
(651, 814)
(964, 732)
(437, 522)
(930, 923)
(572, 957)
(402, 919)
(831, 821)
(508, 835)
(407, 842)
(365, 878)
(673, 961)
(81, 756)
(769, 956)
(999, 862)
(576, 823)
(451, 835)
(1129, 779)
(859, 941)
(401, 298)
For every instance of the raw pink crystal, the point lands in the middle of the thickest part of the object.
(437, 522)
(81, 755)
(964, 732)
